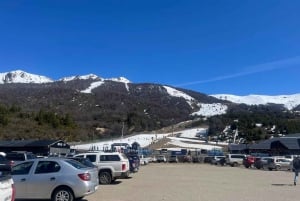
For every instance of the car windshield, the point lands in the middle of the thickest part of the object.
(76, 164)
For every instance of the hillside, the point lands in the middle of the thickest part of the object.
(90, 107)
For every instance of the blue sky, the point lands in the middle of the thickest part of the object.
(215, 46)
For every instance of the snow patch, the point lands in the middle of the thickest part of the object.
(92, 86)
(209, 110)
(146, 139)
(177, 93)
(289, 101)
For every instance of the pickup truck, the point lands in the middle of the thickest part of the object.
(7, 189)
(111, 165)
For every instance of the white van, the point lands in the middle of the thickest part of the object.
(235, 159)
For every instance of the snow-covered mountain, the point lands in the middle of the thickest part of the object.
(20, 76)
(289, 101)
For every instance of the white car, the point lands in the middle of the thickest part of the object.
(54, 178)
(144, 160)
(7, 188)
(111, 165)
(161, 158)
(235, 159)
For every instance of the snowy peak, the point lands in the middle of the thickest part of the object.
(120, 79)
(289, 101)
(20, 76)
(80, 77)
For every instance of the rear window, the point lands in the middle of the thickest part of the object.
(76, 164)
(84, 161)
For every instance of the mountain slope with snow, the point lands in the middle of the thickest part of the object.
(20, 76)
(289, 101)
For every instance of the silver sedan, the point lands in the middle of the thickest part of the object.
(57, 179)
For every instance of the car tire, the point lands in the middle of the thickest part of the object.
(105, 177)
(62, 194)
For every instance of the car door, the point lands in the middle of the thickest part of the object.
(21, 174)
(44, 178)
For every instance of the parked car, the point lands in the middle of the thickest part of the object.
(207, 159)
(279, 163)
(19, 156)
(235, 159)
(187, 159)
(218, 160)
(54, 178)
(144, 160)
(173, 159)
(111, 166)
(84, 161)
(261, 162)
(7, 188)
(249, 161)
(161, 158)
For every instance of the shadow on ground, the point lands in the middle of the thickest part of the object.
(282, 184)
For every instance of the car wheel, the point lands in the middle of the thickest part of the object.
(105, 178)
(62, 194)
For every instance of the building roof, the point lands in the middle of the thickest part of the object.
(288, 142)
(27, 143)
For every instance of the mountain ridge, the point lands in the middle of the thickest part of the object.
(19, 76)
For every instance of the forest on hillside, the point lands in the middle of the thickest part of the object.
(16, 123)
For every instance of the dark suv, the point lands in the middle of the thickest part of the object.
(16, 157)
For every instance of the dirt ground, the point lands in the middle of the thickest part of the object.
(200, 182)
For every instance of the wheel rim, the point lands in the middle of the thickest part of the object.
(62, 196)
(105, 178)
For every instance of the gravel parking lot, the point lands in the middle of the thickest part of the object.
(200, 182)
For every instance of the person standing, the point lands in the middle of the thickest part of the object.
(296, 169)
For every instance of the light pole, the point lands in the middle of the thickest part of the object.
(122, 129)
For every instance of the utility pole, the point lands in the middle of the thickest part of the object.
(123, 129)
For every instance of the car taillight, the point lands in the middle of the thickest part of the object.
(123, 167)
(13, 192)
(85, 176)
